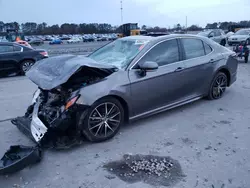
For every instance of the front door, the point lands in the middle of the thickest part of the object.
(8, 59)
(161, 87)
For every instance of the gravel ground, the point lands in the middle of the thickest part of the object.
(206, 141)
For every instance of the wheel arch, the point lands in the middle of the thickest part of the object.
(227, 73)
(23, 60)
(123, 103)
(26, 59)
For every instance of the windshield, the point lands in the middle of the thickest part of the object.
(204, 33)
(243, 32)
(119, 53)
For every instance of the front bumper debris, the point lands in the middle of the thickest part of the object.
(23, 124)
(19, 157)
(61, 134)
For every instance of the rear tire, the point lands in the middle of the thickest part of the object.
(218, 86)
(248, 41)
(26, 65)
(102, 120)
(223, 42)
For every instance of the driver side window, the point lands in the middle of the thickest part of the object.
(212, 34)
(164, 53)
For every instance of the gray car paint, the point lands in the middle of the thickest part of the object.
(164, 88)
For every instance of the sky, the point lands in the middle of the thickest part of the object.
(163, 13)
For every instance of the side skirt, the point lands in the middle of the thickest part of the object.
(164, 108)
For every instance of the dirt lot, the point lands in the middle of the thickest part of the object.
(207, 143)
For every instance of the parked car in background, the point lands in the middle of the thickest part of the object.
(114, 36)
(242, 35)
(74, 40)
(16, 58)
(87, 38)
(36, 41)
(216, 35)
(56, 41)
(229, 34)
(48, 38)
(65, 37)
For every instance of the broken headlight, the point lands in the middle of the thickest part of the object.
(36, 95)
(71, 102)
(72, 99)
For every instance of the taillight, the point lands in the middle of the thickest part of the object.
(234, 55)
(44, 54)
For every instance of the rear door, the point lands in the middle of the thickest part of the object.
(9, 58)
(161, 87)
(198, 60)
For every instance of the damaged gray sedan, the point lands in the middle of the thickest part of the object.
(92, 97)
(127, 79)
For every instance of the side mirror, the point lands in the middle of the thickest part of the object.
(149, 66)
(210, 36)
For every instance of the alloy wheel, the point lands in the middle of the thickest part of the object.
(26, 66)
(219, 86)
(104, 120)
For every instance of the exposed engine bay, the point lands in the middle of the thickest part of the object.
(52, 119)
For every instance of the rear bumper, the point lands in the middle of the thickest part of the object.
(235, 42)
(233, 78)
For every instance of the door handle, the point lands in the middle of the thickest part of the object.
(179, 69)
(212, 60)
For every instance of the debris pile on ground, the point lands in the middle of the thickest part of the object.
(154, 170)
(152, 166)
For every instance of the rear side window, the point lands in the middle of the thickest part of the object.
(217, 33)
(17, 49)
(5, 49)
(208, 49)
(193, 48)
(164, 53)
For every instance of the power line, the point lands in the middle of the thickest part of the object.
(121, 13)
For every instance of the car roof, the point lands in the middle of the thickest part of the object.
(162, 38)
(8, 43)
(137, 37)
(246, 29)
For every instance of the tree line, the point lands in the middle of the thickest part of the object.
(32, 28)
(225, 25)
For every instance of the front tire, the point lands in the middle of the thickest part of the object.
(218, 86)
(26, 66)
(102, 120)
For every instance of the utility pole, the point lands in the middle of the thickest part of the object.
(121, 13)
(186, 24)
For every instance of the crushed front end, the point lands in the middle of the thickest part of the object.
(51, 119)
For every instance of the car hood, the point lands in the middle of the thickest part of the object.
(55, 71)
(239, 36)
